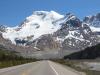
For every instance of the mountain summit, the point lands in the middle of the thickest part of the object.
(50, 35)
(39, 23)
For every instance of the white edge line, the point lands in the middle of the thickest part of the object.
(53, 68)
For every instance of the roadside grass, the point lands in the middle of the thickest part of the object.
(73, 63)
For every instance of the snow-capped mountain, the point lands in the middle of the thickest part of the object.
(39, 23)
(49, 34)
(93, 21)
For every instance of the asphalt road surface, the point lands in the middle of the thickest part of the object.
(39, 68)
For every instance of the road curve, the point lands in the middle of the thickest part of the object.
(39, 68)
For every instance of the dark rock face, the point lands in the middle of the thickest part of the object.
(98, 16)
(2, 28)
(89, 19)
(76, 35)
(18, 41)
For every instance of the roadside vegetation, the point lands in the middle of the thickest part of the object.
(10, 58)
(90, 54)
(73, 64)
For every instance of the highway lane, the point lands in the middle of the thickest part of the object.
(39, 68)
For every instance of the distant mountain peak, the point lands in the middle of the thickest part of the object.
(93, 21)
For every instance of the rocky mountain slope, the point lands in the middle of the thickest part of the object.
(49, 35)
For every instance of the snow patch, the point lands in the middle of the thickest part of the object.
(95, 29)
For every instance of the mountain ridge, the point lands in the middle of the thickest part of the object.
(48, 34)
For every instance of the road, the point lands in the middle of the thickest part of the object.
(39, 68)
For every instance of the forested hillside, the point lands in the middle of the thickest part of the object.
(89, 53)
(11, 58)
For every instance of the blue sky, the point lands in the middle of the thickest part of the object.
(13, 12)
